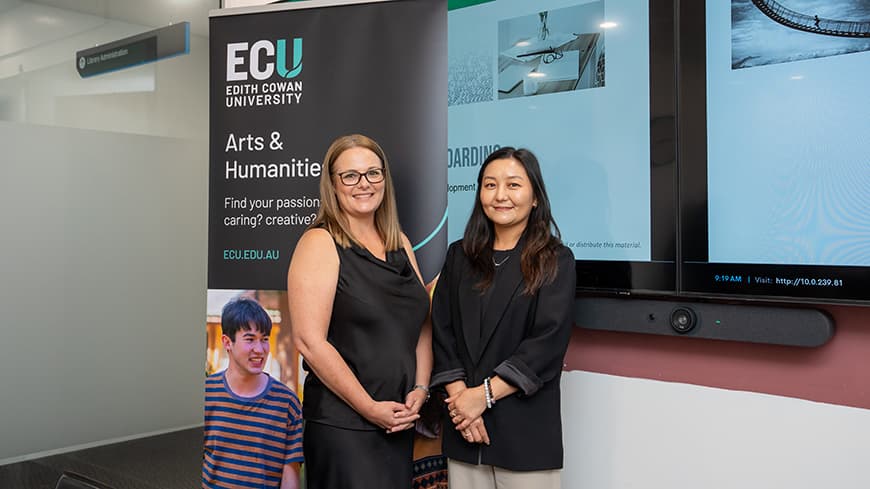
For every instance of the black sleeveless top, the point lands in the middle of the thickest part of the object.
(377, 315)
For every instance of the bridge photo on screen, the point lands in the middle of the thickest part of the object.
(765, 32)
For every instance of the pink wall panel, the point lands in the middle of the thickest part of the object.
(836, 373)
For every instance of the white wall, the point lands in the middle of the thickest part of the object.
(103, 203)
(635, 433)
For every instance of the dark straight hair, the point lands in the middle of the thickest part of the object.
(243, 314)
(541, 238)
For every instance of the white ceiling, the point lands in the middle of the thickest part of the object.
(151, 13)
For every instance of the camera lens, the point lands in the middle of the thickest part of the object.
(682, 320)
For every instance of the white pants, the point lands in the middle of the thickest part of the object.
(461, 475)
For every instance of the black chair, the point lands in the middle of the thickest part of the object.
(72, 480)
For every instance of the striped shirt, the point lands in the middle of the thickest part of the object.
(248, 440)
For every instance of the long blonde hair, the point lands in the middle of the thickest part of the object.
(333, 219)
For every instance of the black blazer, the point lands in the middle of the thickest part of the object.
(523, 340)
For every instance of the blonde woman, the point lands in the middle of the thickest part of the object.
(360, 318)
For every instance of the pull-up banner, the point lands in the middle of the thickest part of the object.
(285, 80)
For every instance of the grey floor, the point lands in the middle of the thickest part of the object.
(170, 461)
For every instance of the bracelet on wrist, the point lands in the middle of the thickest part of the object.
(487, 392)
(422, 388)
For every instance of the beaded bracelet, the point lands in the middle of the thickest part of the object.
(487, 390)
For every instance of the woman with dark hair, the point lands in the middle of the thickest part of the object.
(360, 318)
(502, 314)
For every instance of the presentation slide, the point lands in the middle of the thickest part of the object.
(568, 80)
(788, 149)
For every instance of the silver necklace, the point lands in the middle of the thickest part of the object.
(500, 263)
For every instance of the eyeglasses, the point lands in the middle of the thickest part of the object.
(351, 177)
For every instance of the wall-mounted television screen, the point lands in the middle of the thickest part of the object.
(774, 149)
(718, 151)
(588, 86)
